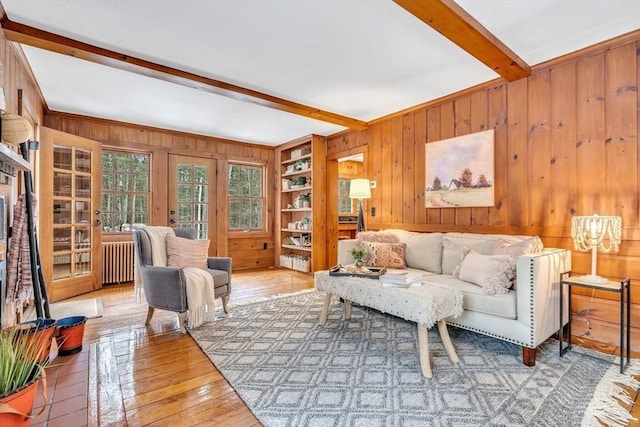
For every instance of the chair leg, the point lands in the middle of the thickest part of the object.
(149, 315)
(181, 319)
(225, 304)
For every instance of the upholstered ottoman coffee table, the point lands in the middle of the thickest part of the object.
(426, 305)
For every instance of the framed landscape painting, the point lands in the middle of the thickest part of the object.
(459, 171)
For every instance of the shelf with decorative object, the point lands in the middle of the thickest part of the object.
(290, 190)
(306, 171)
(295, 230)
(298, 247)
(300, 202)
(296, 159)
(297, 210)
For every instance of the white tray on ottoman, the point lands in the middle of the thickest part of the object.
(426, 305)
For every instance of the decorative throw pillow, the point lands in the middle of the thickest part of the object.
(377, 236)
(456, 271)
(183, 252)
(387, 255)
(452, 249)
(514, 250)
(528, 246)
(493, 273)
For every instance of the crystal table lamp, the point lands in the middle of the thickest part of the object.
(596, 233)
(360, 189)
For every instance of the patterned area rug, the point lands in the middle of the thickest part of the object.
(365, 372)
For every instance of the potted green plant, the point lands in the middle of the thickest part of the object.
(20, 372)
(305, 223)
(300, 181)
(306, 199)
(359, 253)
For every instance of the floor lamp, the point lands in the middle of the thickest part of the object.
(596, 233)
(360, 189)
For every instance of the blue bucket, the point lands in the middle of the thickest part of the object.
(70, 332)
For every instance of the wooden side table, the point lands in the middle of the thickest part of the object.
(622, 287)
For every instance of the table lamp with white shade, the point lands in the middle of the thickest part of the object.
(360, 189)
(596, 233)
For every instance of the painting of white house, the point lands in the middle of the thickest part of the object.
(459, 171)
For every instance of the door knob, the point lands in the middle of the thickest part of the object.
(172, 221)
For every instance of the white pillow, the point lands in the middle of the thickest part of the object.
(424, 251)
(493, 273)
(452, 249)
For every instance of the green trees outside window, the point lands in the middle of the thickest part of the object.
(246, 197)
(125, 191)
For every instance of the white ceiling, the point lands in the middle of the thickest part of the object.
(359, 58)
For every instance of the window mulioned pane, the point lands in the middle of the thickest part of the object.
(246, 197)
(345, 204)
(125, 191)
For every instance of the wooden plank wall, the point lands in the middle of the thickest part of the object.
(248, 249)
(566, 143)
(15, 77)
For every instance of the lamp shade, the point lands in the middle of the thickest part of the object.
(596, 233)
(359, 189)
(15, 129)
(601, 232)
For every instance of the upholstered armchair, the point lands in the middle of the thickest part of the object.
(165, 288)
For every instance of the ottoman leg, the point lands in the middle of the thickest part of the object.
(347, 309)
(446, 341)
(423, 348)
(325, 309)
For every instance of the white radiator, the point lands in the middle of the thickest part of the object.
(117, 262)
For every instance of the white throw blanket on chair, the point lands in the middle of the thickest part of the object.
(199, 283)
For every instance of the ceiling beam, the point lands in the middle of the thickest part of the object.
(453, 22)
(35, 37)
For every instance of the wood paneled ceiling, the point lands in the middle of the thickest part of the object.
(267, 71)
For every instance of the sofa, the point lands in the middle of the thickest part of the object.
(522, 309)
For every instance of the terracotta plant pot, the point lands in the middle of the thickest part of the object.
(70, 334)
(15, 408)
(41, 330)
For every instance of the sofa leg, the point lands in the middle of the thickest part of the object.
(181, 320)
(225, 304)
(529, 356)
(149, 315)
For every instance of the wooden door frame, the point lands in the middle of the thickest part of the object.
(332, 197)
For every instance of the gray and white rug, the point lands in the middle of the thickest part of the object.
(365, 372)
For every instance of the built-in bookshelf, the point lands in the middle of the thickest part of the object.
(301, 222)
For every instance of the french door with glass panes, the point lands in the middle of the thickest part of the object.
(70, 227)
(192, 196)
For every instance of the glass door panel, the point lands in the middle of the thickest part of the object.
(71, 248)
(191, 194)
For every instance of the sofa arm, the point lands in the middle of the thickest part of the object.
(165, 288)
(220, 263)
(344, 251)
(538, 289)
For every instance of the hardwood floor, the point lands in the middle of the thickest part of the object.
(153, 375)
